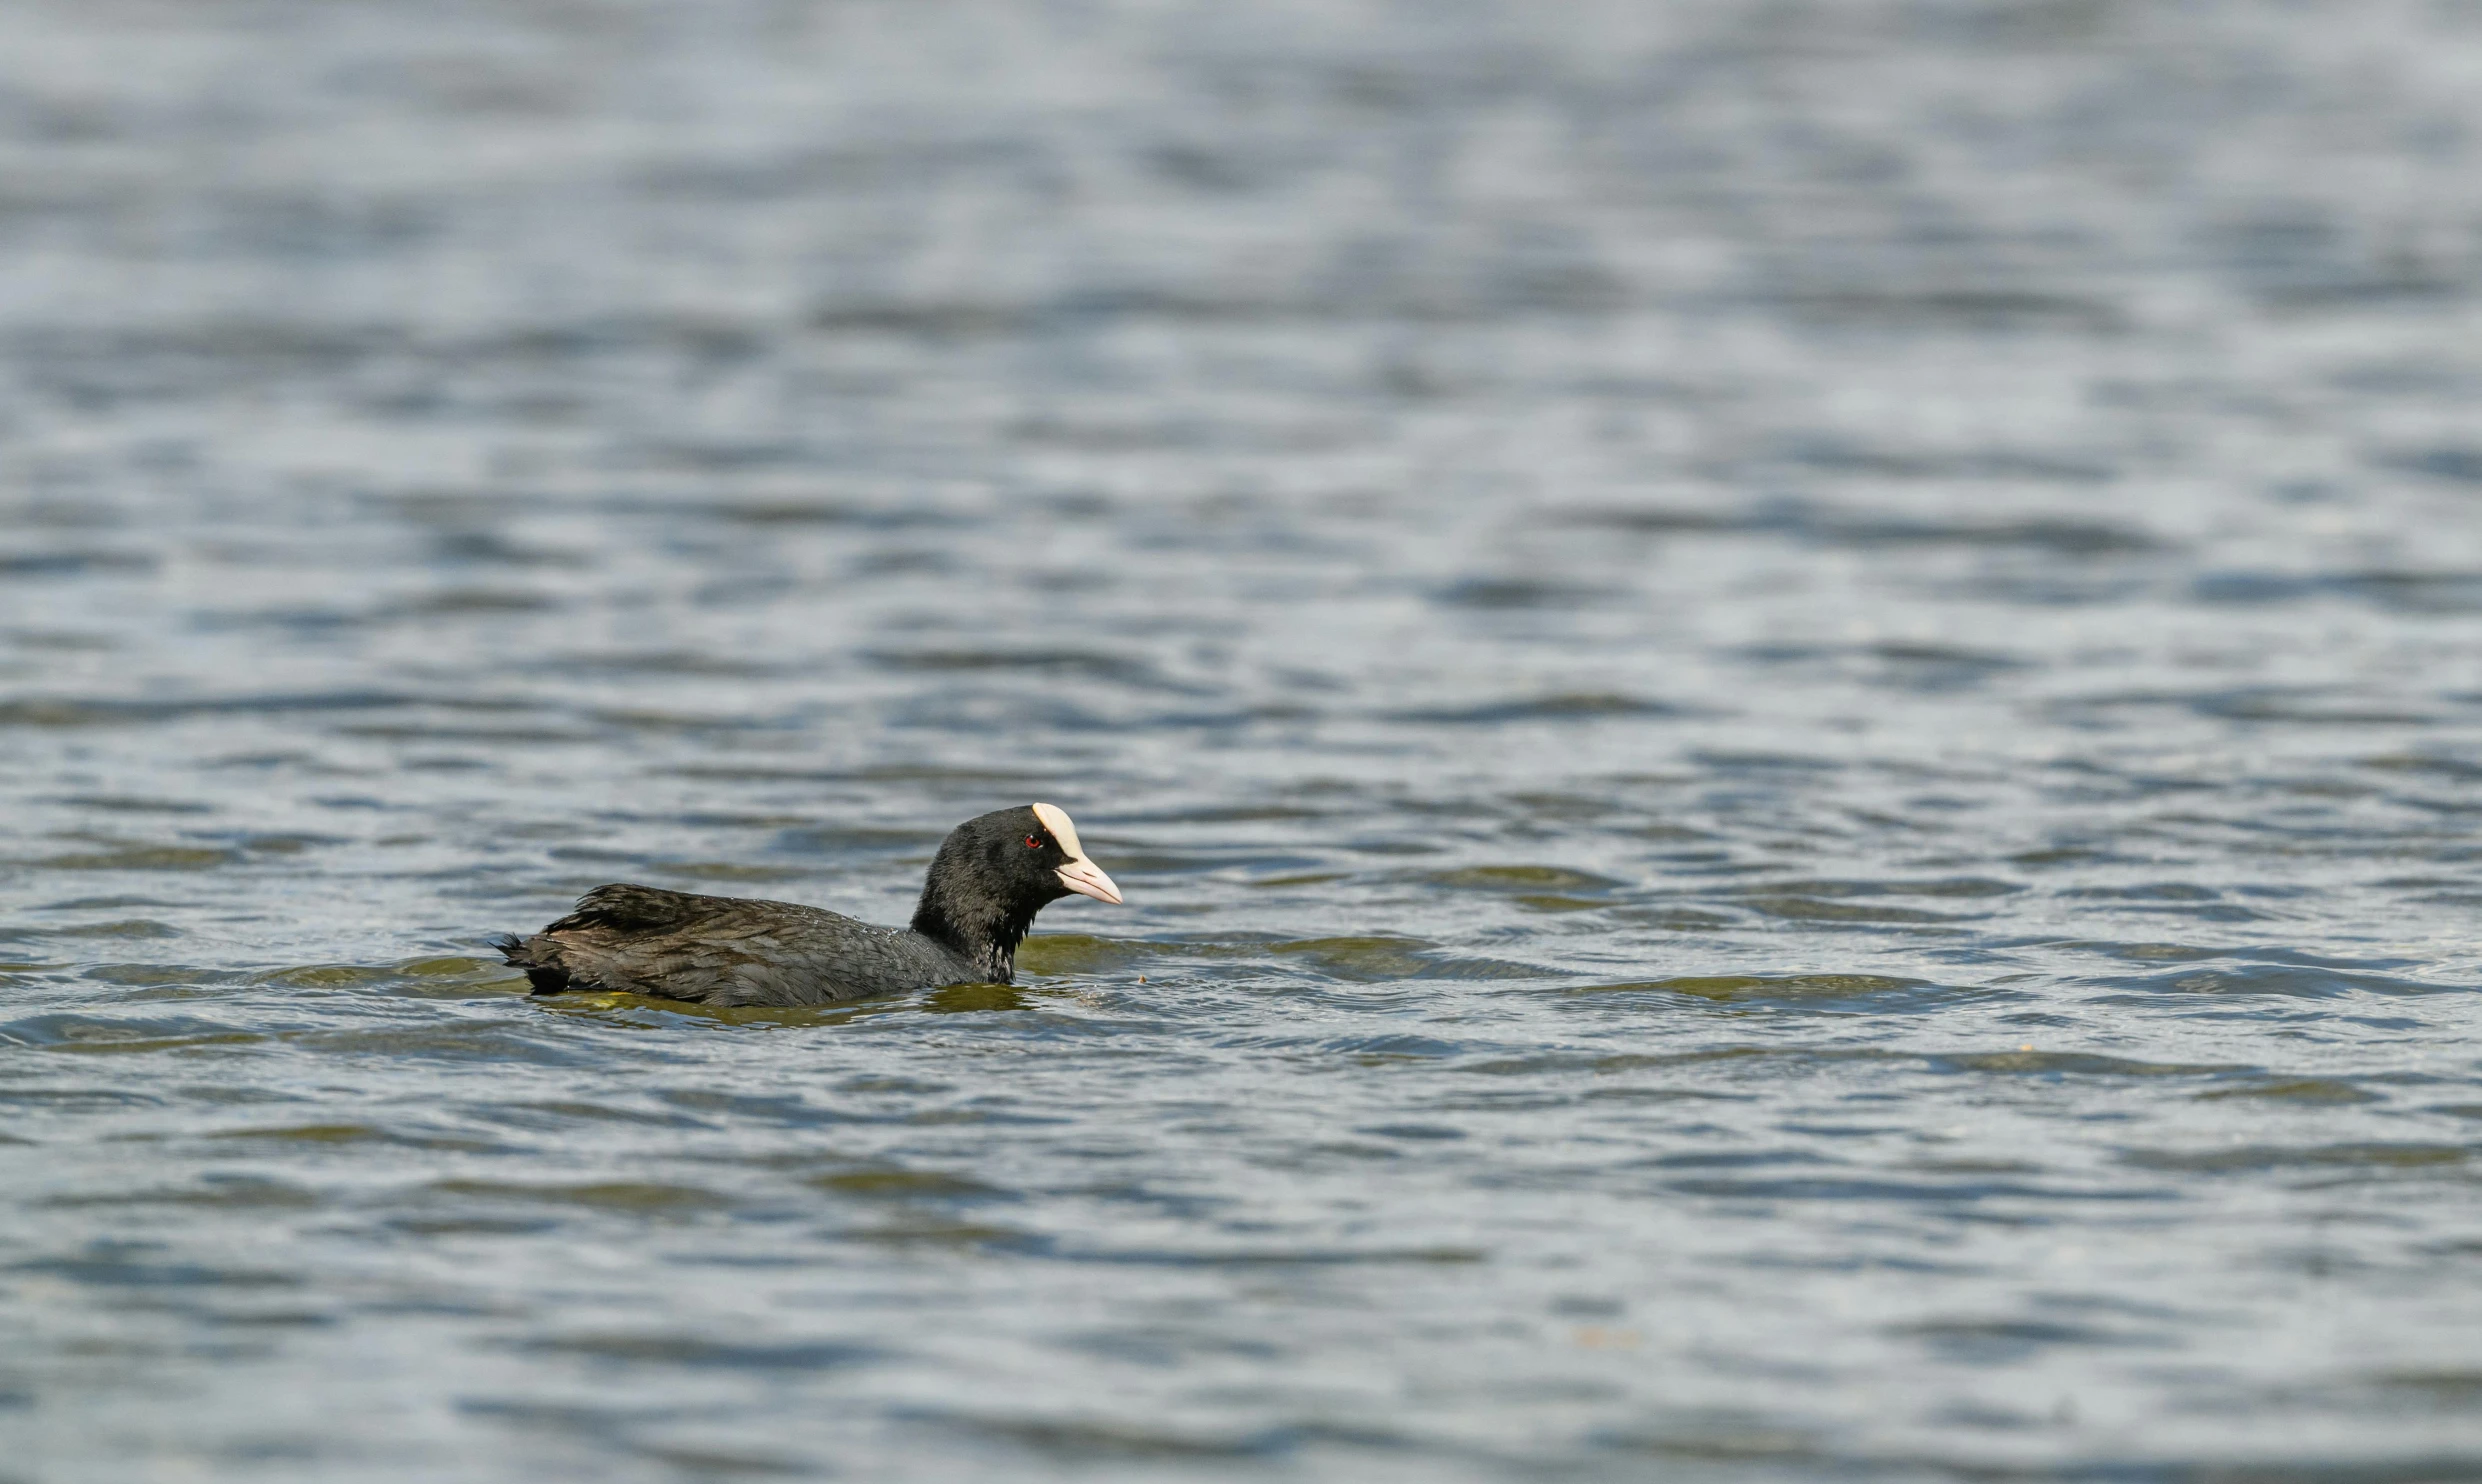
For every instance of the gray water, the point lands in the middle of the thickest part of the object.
(1787, 694)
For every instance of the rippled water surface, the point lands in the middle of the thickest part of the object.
(1788, 696)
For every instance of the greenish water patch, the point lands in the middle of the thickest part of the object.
(2310, 1090)
(142, 858)
(330, 976)
(349, 1135)
(900, 1185)
(223, 1193)
(1050, 955)
(936, 1234)
(1520, 879)
(2029, 1062)
(1533, 903)
(700, 1353)
(1373, 960)
(124, 1035)
(1729, 987)
(1107, 1444)
(133, 928)
(2250, 1158)
(1818, 909)
(2459, 1389)
(629, 1197)
(1368, 959)
(1959, 887)
(972, 999)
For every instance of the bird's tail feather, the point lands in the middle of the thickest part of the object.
(547, 978)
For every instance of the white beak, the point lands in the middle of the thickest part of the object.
(1085, 878)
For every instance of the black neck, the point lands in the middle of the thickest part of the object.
(987, 935)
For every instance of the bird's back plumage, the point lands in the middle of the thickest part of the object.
(725, 950)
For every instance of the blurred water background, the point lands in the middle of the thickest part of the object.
(1787, 693)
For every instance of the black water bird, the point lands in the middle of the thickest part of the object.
(992, 874)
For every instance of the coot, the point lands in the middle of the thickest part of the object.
(992, 874)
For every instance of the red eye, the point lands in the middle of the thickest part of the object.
(1033, 843)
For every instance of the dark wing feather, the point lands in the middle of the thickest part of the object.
(642, 909)
(578, 951)
(722, 950)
